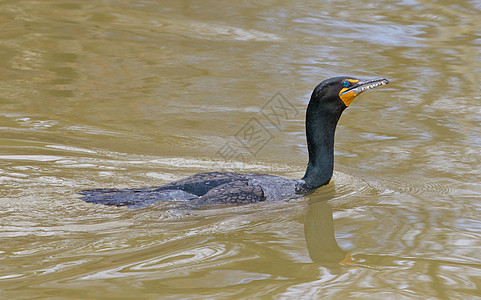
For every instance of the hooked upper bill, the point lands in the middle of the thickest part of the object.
(356, 87)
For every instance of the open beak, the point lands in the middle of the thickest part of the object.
(348, 94)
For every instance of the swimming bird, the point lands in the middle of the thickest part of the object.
(328, 100)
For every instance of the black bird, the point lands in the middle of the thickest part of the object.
(328, 100)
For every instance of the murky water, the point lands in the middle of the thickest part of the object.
(138, 93)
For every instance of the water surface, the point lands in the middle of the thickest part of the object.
(139, 93)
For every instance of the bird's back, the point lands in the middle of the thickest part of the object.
(202, 189)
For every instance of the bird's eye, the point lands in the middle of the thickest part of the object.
(346, 83)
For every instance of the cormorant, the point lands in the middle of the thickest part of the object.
(328, 100)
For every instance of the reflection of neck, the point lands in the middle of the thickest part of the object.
(320, 130)
(319, 233)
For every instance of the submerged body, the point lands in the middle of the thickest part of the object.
(203, 189)
(328, 100)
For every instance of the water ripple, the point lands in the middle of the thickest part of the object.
(179, 262)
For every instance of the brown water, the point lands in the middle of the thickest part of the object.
(138, 93)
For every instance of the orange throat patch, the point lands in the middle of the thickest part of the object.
(347, 98)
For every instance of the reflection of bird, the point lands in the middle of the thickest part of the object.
(321, 242)
(328, 101)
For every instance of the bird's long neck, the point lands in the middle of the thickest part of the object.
(320, 130)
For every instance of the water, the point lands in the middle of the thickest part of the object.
(139, 93)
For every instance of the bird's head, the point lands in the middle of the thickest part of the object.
(337, 93)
